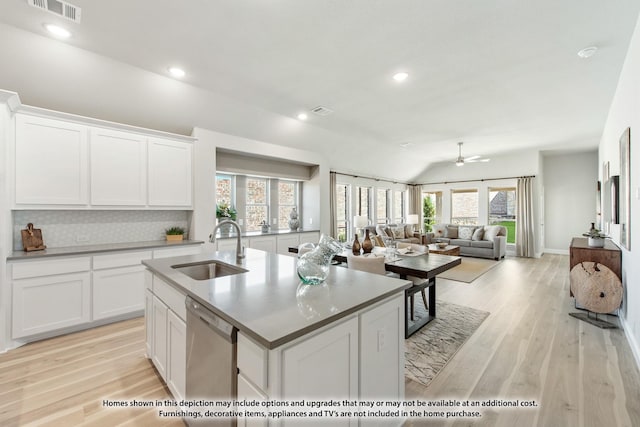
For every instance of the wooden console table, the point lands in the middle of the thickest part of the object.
(610, 256)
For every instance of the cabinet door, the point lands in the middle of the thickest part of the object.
(264, 243)
(226, 244)
(169, 173)
(311, 237)
(325, 366)
(148, 322)
(118, 168)
(286, 241)
(177, 355)
(118, 291)
(47, 303)
(160, 313)
(247, 391)
(51, 162)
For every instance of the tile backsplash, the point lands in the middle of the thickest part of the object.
(75, 228)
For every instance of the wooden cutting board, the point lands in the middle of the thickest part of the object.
(32, 239)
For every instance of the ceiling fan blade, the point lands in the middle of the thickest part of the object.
(472, 158)
(477, 160)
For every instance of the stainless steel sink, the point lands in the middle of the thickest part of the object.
(208, 269)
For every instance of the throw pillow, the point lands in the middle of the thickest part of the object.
(389, 231)
(451, 232)
(408, 231)
(465, 232)
(379, 241)
(490, 232)
(438, 230)
(398, 232)
(478, 234)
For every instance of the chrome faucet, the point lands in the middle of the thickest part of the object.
(239, 247)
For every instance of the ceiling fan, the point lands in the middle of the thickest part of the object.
(460, 161)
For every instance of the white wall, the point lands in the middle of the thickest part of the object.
(570, 183)
(315, 203)
(625, 112)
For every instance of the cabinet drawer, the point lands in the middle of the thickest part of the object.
(252, 361)
(120, 259)
(62, 265)
(170, 296)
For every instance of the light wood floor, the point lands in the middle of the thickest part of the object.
(528, 348)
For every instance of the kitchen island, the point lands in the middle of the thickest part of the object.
(339, 340)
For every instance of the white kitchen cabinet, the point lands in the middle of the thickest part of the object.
(285, 241)
(177, 251)
(118, 168)
(264, 243)
(51, 162)
(247, 391)
(176, 355)
(160, 337)
(118, 291)
(310, 237)
(170, 178)
(148, 322)
(46, 303)
(227, 244)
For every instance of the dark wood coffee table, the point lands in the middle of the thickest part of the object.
(452, 250)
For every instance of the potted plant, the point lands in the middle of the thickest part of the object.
(174, 233)
(596, 237)
(225, 211)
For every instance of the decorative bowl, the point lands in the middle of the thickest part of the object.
(442, 245)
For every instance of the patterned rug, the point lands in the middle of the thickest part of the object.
(469, 270)
(430, 349)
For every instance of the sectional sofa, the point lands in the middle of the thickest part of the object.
(484, 241)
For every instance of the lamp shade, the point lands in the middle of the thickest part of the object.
(412, 219)
(360, 221)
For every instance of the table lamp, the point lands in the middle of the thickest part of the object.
(412, 219)
(360, 222)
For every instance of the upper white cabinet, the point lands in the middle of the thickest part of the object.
(118, 168)
(169, 173)
(51, 162)
(73, 164)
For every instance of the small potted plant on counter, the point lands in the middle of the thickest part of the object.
(225, 211)
(596, 238)
(174, 233)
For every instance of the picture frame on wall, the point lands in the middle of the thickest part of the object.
(624, 206)
(606, 197)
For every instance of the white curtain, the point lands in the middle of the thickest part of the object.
(333, 204)
(525, 236)
(415, 203)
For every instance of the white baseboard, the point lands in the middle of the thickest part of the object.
(556, 251)
(635, 348)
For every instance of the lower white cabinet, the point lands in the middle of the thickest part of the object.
(148, 321)
(118, 291)
(47, 303)
(286, 241)
(176, 355)
(249, 392)
(310, 237)
(263, 243)
(160, 337)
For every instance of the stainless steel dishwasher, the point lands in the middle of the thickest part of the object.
(211, 360)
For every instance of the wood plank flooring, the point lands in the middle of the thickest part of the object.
(528, 348)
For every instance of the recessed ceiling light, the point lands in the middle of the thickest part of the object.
(302, 116)
(177, 72)
(406, 144)
(58, 31)
(400, 77)
(587, 52)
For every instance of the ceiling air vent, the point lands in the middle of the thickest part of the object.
(321, 111)
(59, 8)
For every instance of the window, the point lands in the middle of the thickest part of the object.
(342, 211)
(257, 203)
(431, 209)
(382, 205)
(224, 189)
(287, 200)
(502, 210)
(464, 207)
(364, 195)
(398, 206)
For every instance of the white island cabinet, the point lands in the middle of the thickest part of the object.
(343, 340)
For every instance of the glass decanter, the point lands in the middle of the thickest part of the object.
(313, 267)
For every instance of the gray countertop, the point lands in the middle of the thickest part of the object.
(232, 235)
(106, 247)
(269, 303)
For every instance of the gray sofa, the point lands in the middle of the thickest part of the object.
(484, 241)
(397, 232)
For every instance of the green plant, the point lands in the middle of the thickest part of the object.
(174, 231)
(429, 212)
(594, 233)
(224, 210)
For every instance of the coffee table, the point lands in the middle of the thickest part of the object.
(452, 250)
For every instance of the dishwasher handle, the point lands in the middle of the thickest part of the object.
(223, 328)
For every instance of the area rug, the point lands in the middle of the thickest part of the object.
(428, 351)
(469, 270)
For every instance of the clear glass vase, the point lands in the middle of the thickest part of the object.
(313, 266)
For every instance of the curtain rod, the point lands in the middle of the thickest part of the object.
(478, 180)
(370, 177)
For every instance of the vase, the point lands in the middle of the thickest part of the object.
(355, 248)
(225, 229)
(294, 223)
(596, 242)
(313, 266)
(367, 244)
